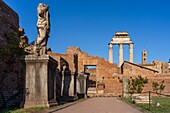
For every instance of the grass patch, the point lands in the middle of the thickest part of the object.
(36, 109)
(164, 106)
(26, 110)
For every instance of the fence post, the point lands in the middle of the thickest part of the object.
(149, 100)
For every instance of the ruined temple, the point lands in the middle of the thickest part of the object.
(121, 38)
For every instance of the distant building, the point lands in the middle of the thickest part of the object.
(160, 66)
(144, 57)
(169, 65)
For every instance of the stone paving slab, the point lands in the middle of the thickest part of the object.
(99, 105)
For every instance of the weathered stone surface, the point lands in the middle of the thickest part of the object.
(40, 88)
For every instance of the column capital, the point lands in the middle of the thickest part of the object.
(110, 45)
(131, 45)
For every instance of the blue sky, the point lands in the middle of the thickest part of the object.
(90, 25)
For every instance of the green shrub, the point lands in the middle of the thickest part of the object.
(136, 85)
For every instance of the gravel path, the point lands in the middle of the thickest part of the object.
(99, 105)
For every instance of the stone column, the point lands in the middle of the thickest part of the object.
(110, 53)
(85, 86)
(131, 52)
(120, 54)
(72, 83)
(62, 85)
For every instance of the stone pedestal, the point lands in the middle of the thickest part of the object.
(40, 84)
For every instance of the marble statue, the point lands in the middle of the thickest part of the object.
(43, 27)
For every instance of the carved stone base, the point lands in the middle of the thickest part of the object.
(40, 81)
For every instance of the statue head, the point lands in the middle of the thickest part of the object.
(42, 6)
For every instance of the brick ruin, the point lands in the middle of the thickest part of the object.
(107, 73)
(104, 72)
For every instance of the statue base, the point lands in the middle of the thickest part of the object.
(40, 82)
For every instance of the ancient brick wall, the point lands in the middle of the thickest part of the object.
(9, 24)
(131, 69)
(148, 87)
(10, 79)
(113, 86)
(109, 72)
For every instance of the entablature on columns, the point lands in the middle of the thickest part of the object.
(121, 38)
(121, 42)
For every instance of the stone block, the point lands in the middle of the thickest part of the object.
(141, 99)
(40, 84)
